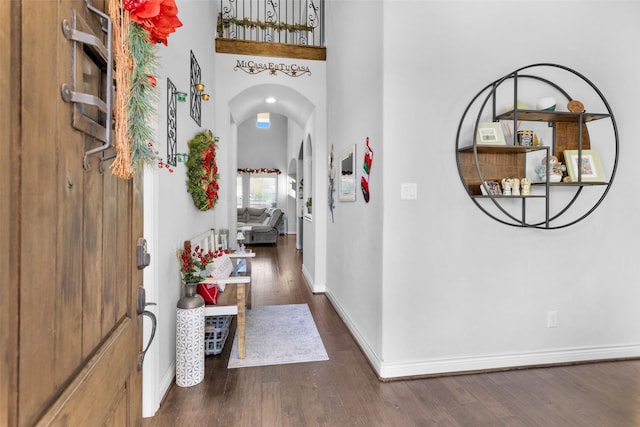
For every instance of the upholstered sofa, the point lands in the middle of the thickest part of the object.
(259, 225)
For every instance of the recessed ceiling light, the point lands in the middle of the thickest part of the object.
(270, 100)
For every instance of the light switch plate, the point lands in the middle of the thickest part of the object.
(408, 191)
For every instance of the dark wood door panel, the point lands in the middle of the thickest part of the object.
(39, 280)
(94, 260)
(125, 249)
(79, 335)
(93, 396)
(9, 230)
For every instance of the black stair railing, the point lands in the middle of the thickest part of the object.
(299, 22)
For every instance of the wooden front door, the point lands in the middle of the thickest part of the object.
(70, 333)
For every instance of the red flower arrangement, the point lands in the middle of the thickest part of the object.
(158, 17)
(194, 263)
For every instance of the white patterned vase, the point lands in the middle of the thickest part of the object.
(190, 338)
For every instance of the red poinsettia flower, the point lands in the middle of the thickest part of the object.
(163, 27)
(142, 9)
(158, 17)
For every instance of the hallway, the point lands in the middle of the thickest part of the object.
(344, 391)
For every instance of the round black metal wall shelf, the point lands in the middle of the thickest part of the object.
(503, 141)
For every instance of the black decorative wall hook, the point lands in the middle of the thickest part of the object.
(195, 88)
(172, 123)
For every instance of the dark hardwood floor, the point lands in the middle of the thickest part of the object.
(345, 391)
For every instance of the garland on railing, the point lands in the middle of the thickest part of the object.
(261, 170)
(224, 23)
(202, 171)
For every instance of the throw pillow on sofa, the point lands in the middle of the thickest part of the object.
(242, 215)
(256, 215)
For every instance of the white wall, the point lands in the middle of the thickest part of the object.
(459, 290)
(354, 107)
(265, 148)
(170, 215)
(411, 278)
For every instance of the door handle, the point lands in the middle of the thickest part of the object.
(143, 258)
(140, 309)
(153, 334)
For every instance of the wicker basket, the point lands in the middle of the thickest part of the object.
(216, 330)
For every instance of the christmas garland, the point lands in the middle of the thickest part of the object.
(142, 97)
(202, 171)
(138, 26)
(247, 23)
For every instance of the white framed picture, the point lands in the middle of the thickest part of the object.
(347, 184)
(490, 133)
(591, 169)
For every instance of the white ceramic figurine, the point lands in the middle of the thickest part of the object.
(526, 186)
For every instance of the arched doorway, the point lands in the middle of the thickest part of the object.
(298, 110)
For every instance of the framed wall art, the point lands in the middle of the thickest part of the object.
(591, 169)
(490, 134)
(347, 184)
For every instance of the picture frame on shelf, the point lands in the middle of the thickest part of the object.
(491, 188)
(490, 133)
(591, 169)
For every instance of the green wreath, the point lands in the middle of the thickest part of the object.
(202, 171)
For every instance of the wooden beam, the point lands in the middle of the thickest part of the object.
(281, 50)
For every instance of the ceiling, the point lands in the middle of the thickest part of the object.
(289, 103)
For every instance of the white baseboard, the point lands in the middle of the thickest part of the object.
(506, 361)
(364, 346)
(309, 279)
(167, 380)
(417, 368)
(165, 384)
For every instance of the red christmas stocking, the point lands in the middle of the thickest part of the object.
(364, 181)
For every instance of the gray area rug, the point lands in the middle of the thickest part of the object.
(277, 335)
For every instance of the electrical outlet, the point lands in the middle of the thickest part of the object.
(552, 319)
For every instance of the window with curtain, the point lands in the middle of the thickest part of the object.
(257, 190)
